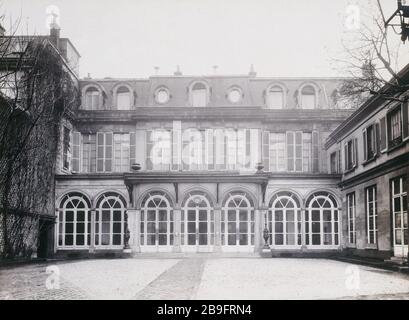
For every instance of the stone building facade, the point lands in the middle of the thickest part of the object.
(371, 151)
(200, 164)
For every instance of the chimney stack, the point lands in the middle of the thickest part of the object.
(177, 72)
(252, 73)
(55, 31)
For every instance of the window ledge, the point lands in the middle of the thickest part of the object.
(397, 146)
(366, 162)
(349, 170)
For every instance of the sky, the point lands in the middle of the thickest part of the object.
(129, 38)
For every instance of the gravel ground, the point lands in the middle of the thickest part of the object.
(203, 278)
(295, 279)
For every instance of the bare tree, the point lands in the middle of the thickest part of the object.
(372, 60)
(36, 91)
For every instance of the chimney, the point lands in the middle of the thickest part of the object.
(177, 72)
(252, 73)
(55, 31)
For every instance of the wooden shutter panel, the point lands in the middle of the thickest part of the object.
(383, 134)
(266, 147)
(346, 156)
(355, 152)
(149, 147)
(365, 141)
(405, 124)
(76, 151)
(377, 140)
(109, 143)
(132, 149)
(100, 151)
(315, 151)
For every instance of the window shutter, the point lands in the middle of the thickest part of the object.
(266, 147)
(100, 151)
(209, 149)
(405, 124)
(132, 149)
(149, 148)
(383, 135)
(346, 156)
(109, 139)
(76, 151)
(290, 151)
(315, 151)
(365, 141)
(377, 140)
(339, 167)
(176, 145)
(355, 152)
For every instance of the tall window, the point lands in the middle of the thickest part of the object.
(92, 99)
(371, 214)
(197, 223)
(322, 220)
(350, 153)
(400, 215)
(193, 151)
(156, 220)
(394, 128)
(333, 163)
(123, 98)
(308, 97)
(370, 142)
(199, 95)
(159, 144)
(121, 152)
(89, 153)
(351, 205)
(294, 151)
(275, 98)
(284, 220)
(277, 152)
(109, 220)
(66, 148)
(104, 151)
(74, 221)
(237, 221)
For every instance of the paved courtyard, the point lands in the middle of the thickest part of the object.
(201, 278)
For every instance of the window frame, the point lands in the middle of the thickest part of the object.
(374, 214)
(375, 142)
(351, 217)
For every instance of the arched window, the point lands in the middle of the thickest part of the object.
(156, 220)
(284, 220)
(92, 98)
(109, 220)
(308, 97)
(199, 95)
(237, 221)
(197, 227)
(123, 98)
(322, 220)
(275, 98)
(74, 220)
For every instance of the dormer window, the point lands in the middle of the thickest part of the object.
(162, 95)
(92, 98)
(308, 97)
(123, 98)
(275, 98)
(199, 95)
(235, 95)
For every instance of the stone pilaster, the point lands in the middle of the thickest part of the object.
(217, 229)
(134, 229)
(92, 232)
(177, 217)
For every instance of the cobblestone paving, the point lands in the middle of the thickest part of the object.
(29, 283)
(178, 283)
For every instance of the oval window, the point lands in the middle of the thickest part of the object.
(235, 96)
(162, 96)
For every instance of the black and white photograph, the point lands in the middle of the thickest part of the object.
(221, 152)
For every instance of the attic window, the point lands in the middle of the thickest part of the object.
(123, 98)
(199, 95)
(235, 95)
(308, 97)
